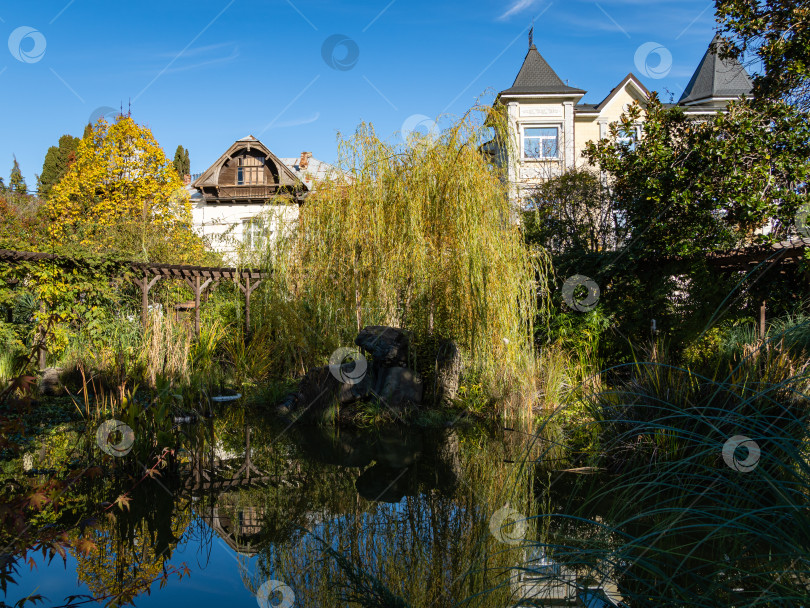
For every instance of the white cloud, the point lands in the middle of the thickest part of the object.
(518, 7)
(298, 122)
(201, 64)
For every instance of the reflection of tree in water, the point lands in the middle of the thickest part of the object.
(132, 545)
(411, 509)
(199, 496)
(407, 509)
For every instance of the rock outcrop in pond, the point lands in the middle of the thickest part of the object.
(380, 371)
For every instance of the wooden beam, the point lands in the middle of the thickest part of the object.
(247, 289)
(145, 284)
(196, 306)
(256, 284)
(762, 320)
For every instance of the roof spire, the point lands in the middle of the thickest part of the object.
(716, 78)
(531, 35)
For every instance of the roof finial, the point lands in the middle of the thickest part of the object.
(531, 35)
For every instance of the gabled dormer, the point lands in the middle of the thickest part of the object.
(248, 173)
(716, 81)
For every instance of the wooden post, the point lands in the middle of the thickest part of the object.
(42, 351)
(43, 334)
(247, 453)
(144, 299)
(198, 290)
(145, 284)
(247, 289)
(197, 306)
(247, 304)
(762, 320)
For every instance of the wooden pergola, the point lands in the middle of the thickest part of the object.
(198, 278)
(747, 258)
(764, 257)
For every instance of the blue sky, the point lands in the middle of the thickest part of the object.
(296, 72)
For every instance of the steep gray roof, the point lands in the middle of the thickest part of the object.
(536, 76)
(317, 170)
(716, 77)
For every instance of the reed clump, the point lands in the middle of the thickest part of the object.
(421, 236)
(705, 501)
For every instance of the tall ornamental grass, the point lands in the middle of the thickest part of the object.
(703, 500)
(422, 236)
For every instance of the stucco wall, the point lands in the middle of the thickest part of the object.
(222, 226)
(589, 126)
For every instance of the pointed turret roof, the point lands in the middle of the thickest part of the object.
(716, 78)
(536, 76)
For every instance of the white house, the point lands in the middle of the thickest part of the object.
(550, 127)
(248, 193)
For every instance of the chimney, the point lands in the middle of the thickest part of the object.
(303, 162)
(186, 179)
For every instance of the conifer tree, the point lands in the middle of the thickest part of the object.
(57, 160)
(16, 182)
(181, 162)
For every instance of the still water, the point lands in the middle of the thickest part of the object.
(254, 512)
(250, 511)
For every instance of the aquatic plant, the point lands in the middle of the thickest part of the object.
(703, 498)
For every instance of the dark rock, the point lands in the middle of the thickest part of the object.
(350, 393)
(381, 483)
(50, 384)
(344, 448)
(286, 406)
(321, 389)
(450, 455)
(399, 386)
(387, 345)
(448, 372)
(317, 391)
(398, 450)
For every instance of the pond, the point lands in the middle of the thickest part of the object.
(252, 511)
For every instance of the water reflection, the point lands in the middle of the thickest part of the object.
(402, 511)
(375, 518)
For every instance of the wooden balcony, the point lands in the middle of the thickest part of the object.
(245, 193)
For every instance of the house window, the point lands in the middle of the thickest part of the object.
(541, 142)
(628, 137)
(249, 171)
(255, 233)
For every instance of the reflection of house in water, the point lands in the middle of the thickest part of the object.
(220, 474)
(239, 526)
(542, 581)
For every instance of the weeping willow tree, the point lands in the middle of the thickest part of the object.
(420, 235)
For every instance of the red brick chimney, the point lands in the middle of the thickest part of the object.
(303, 162)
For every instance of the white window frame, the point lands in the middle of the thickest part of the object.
(631, 139)
(256, 232)
(557, 126)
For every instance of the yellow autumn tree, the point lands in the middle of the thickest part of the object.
(123, 195)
